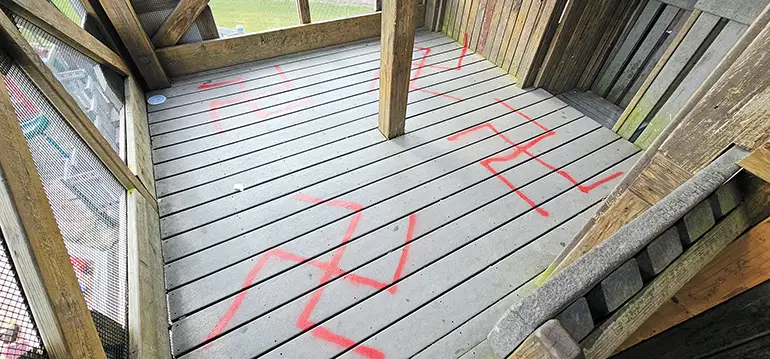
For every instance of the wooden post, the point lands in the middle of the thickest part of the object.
(130, 30)
(37, 248)
(178, 22)
(303, 8)
(377, 5)
(397, 40)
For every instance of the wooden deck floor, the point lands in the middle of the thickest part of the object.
(292, 229)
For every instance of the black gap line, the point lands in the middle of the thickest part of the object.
(508, 193)
(434, 261)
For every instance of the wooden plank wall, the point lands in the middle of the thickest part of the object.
(513, 34)
(703, 41)
(726, 110)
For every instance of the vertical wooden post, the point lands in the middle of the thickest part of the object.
(377, 5)
(37, 248)
(303, 8)
(397, 40)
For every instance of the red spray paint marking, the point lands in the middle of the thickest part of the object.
(330, 269)
(418, 71)
(258, 112)
(218, 84)
(524, 149)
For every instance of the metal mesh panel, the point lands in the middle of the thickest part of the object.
(72, 9)
(234, 17)
(152, 21)
(321, 10)
(19, 337)
(89, 205)
(98, 90)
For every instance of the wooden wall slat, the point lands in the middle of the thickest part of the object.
(525, 36)
(615, 66)
(499, 33)
(678, 55)
(518, 27)
(478, 22)
(541, 35)
(489, 30)
(508, 32)
(458, 19)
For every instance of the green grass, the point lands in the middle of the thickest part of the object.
(263, 15)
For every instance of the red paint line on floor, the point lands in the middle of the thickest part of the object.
(217, 84)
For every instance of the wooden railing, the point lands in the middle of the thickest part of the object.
(29, 225)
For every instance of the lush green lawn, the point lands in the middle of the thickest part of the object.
(262, 15)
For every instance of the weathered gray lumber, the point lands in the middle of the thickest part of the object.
(193, 295)
(743, 11)
(682, 4)
(286, 90)
(643, 53)
(615, 65)
(575, 280)
(266, 75)
(696, 223)
(682, 19)
(702, 69)
(182, 223)
(219, 145)
(726, 198)
(549, 341)
(480, 351)
(577, 319)
(611, 334)
(615, 289)
(499, 86)
(659, 254)
(444, 273)
(593, 106)
(671, 70)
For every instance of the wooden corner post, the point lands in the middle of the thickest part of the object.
(397, 40)
(37, 248)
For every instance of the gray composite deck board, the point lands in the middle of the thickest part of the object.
(254, 211)
(330, 116)
(378, 222)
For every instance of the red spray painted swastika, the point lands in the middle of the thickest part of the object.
(330, 270)
(420, 65)
(259, 113)
(524, 149)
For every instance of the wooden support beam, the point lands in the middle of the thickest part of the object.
(47, 17)
(377, 5)
(758, 162)
(147, 312)
(549, 341)
(432, 10)
(37, 248)
(178, 22)
(303, 9)
(19, 49)
(206, 25)
(138, 149)
(130, 30)
(610, 335)
(396, 44)
(191, 58)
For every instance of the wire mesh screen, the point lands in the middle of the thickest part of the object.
(89, 205)
(72, 9)
(19, 337)
(98, 90)
(321, 10)
(234, 17)
(151, 22)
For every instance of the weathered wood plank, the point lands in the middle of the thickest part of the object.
(37, 247)
(743, 11)
(549, 341)
(303, 10)
(28, 59)
(499, 31)
(533, 15)
(395, 66)
(185, 59)
(47, 17)
(206, 25)
(489, 29)
(614, 68)
(699, 72)
(744, 264)
(140, 47)
(537, 46)
(658, 178)
(758, 162)
(611, 334)
(478, 24)
(666, 72)
(178, 22)
(510, 24)
(138, 148)
(516, 33)
(147, 311)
